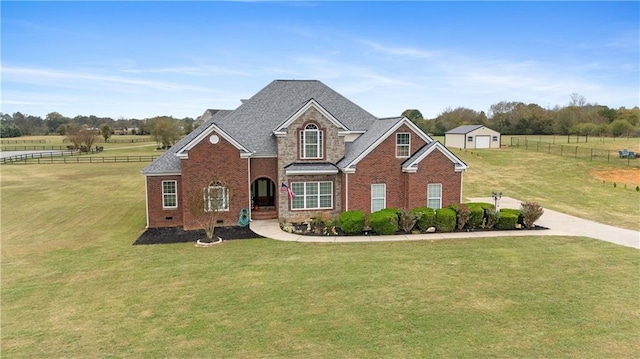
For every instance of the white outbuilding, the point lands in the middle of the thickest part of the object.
(472, 136)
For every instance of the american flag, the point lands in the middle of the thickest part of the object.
(290, 193)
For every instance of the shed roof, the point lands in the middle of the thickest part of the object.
(461, 130)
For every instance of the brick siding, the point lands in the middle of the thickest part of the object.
(158, 216)
(208, 162)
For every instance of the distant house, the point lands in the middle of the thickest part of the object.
(298, 149)
(472, 136)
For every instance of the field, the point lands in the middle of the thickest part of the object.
(74, 286)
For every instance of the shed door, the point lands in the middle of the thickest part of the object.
(483, 141)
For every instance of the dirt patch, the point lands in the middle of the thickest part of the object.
(629, 176)
(179, 235)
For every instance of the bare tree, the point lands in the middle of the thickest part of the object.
(577, 100)
(81, 137)
(206, 205)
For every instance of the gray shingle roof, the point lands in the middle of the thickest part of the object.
(461, 130)
(325, 166)
(414, 160)
(366, 140)
(169, 162)
(252, 123)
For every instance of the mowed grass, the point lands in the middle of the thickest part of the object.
(74, 286)
(118, 145)
(559, 183)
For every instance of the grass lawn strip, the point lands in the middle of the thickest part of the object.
(73, 286)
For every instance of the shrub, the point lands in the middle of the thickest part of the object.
(478, 214)
(425, 217)
(507, 219)
(531, 212)
(445, 219)
(384, 222)
(491, 218)
(462, 214)
(407, 220)
(352, 222)
(515, 212)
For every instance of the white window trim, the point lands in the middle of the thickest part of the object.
(469, 138)
(304, 196)
(383, 198)
(439, 198)
(407, 145)
(225, 199)
(303, 139)
(174, 194)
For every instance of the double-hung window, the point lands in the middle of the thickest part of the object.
(434, 195)
(311, 142)
(312, 195)
(403, 144)
(169, 194)
(378, 197)
(216, 197)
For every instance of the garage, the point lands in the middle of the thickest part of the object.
(483, 141)
(472, 136)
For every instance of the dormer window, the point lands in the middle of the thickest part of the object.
(311, 142)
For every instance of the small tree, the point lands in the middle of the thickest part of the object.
(165, 130)
(88, 137)
(530, 212)
(72, 134)
(81, 137)
(206, 205)
(463, 214)
(106, 133)
(407, 220)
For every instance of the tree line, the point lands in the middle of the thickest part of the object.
(165, 129)
(517, 118)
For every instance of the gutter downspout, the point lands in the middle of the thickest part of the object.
(146, 198)
(346, 191)
(249, 187)
(461, 182)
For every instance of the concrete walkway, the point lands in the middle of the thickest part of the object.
(559, 224)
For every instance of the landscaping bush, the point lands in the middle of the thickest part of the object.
(507, 219)
(352, 222)
(426, 217)
(384, 221)
(407, 220)
(491, 218)
(445, 219)
(530, 212)
(462, 215)
(515, 212)
(478, 214)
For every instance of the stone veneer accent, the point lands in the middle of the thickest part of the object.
(288, 152)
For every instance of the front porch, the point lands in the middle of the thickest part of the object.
(264, 212)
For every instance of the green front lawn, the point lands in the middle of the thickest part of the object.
(72, 285)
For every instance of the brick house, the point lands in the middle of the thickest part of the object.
(301, 135)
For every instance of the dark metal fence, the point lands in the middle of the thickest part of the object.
(577, 152)
(33, 148)
(3, 141)
(58, 157)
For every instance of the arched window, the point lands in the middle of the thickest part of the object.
(216, 197)
(311, 142)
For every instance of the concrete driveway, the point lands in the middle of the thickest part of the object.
(559, 224)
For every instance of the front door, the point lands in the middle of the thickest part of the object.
(264, 192)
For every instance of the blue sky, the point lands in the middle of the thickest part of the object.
(142, 59)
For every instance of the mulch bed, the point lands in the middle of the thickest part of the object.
(179, 235)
